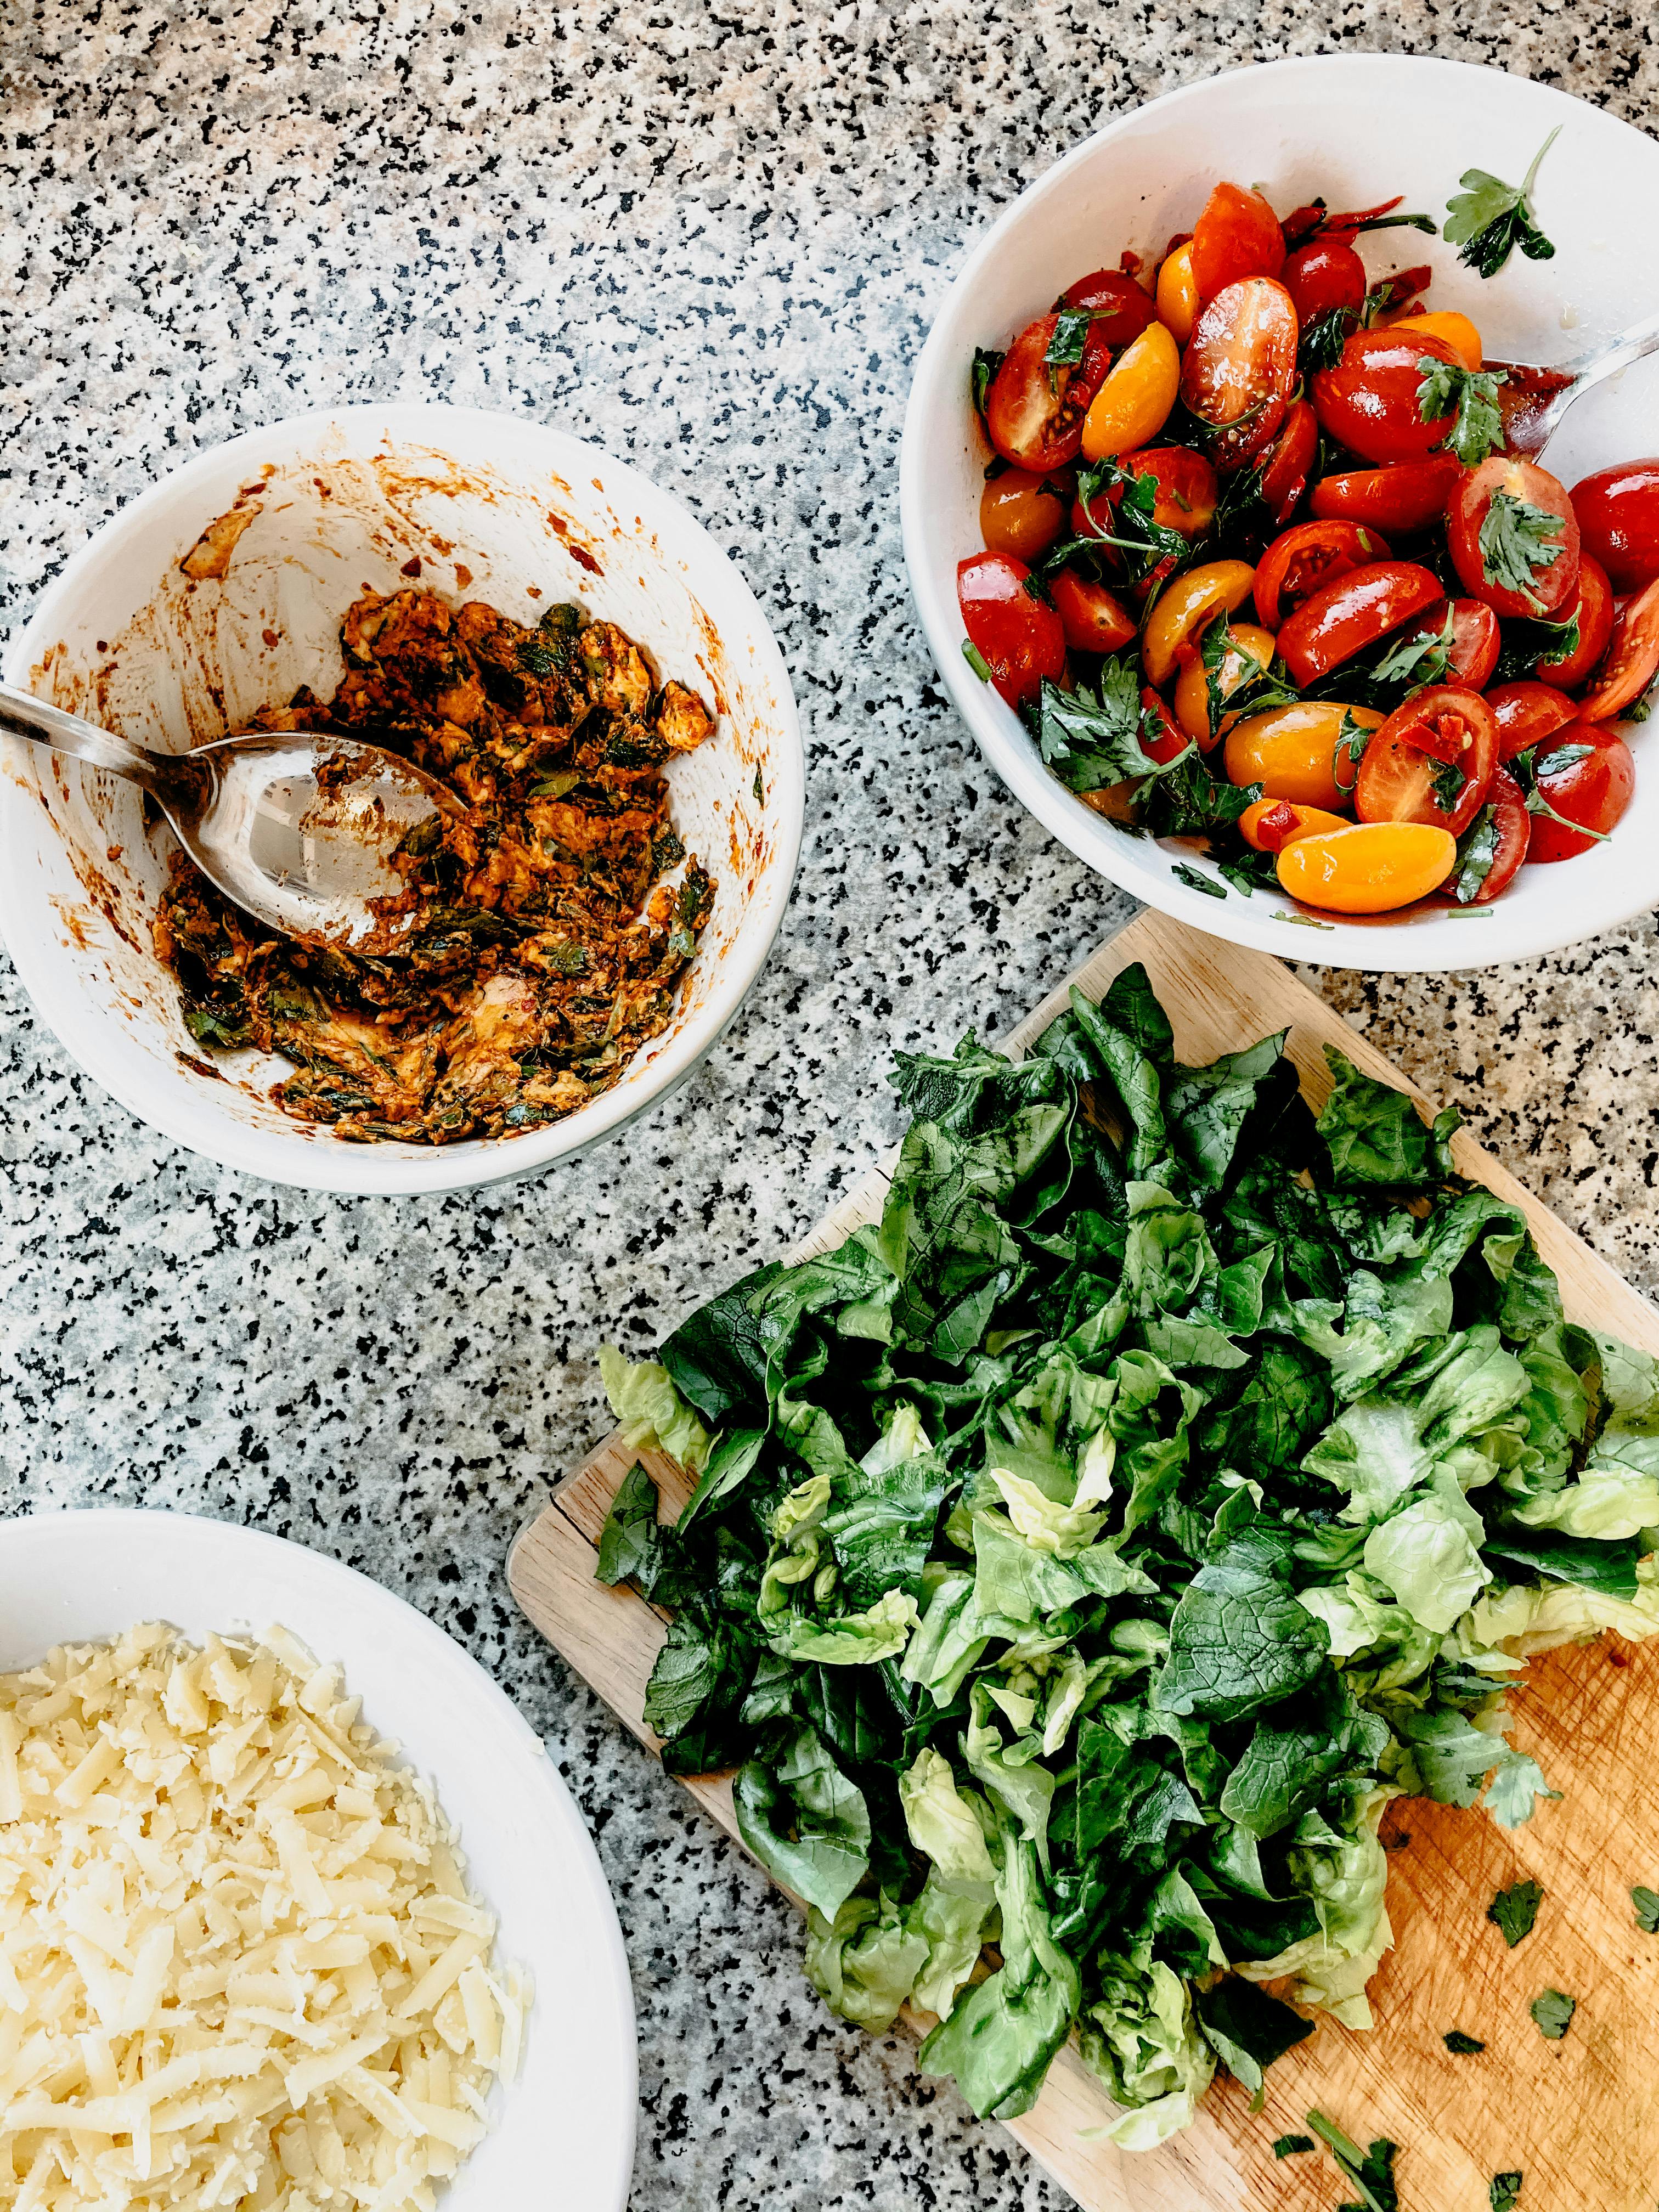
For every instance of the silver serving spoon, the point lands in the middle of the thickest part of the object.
(1533, 401)
(297, 826)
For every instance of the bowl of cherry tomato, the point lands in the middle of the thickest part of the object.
(1226, 514)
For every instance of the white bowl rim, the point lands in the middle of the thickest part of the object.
(612, 2093)
(1356, 945)
(331, 1164)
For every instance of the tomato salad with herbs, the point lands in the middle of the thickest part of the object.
(1260, 568)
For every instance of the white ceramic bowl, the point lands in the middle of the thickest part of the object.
(1356, 128)
(479, 506)
(563, 2132)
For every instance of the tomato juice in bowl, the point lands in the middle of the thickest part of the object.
(1355, 131)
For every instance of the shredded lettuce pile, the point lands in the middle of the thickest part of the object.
(1084, 1555)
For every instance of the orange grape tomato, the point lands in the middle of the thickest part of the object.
(1291, 751)
(1270, 824)
(1133, 404)
(1185, 607)
(1368, 867)
(1021, 513)
(1237, 236)
(1192, 691)
(1457, 330)
(1177, 293)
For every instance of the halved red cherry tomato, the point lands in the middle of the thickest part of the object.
(1121, 309)
(1586, 775)
(1526, 712)
(1346, 616)
(1034, 414)
(1407, 496)
(1170, 738)
(1237, 236)
(1184, 501)
(1022, 515)
(1475, 639)
(1632, 661)
(1091, 619)
(1239, 369)
(1325, 274)
(1618, 512)
(1304, 557)
(1534, 524)
(1594, 612)
(1506, 836)
(1430, 761)
(1369, 401)
(1284, 471)
(1020, 640)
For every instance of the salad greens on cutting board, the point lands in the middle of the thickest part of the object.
(1084, 1554)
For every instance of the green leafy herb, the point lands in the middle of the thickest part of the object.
(1323, 337)
(1447, 782)
(1646, 1902)
(1554, 2013)
(630, 1546)
(1349, 750)
(1469, 396)
(760, 789)
(1518, 540)
(1488, 219)
(1644, 706)
(1195, 879)
(1477, 851)
(1464, 2046)
(1514, 1909)
(1070, 335)
(1387, 675)
(976, 660)
(1150, 548)
(1527, 645)
(985, 366)
(1531, 767)
(1505, 2191)
(1371, 2171)
(1293, 2146)
(1092, 738)
(1248, 870)
(1187, 799)
(1255, 686)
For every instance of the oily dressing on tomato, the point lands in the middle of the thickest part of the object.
(1618, 512)
(1285, 470)
(1513, 537)
(1033, 414)
(1237, 236)
(1593, 612)
(1473, 653)
(1367, 867)
(1405, 497)
(1239, 369)
(1342, 618)
(1019, 639)
(1307, 555)
(1432, 761)
(1631, 661)
(1494, 844)
(1526, 712)
(1369, 401)
(1584, 774)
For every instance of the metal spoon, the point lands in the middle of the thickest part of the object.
(297, 826)
(1534, 400)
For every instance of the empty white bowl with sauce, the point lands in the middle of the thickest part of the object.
(306, 514)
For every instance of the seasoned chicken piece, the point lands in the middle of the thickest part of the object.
(621, 679)
(683, 719)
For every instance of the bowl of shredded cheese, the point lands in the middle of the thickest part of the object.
(295, 1910)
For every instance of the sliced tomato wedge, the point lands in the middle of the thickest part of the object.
(1514, 538)
(1093, 621)
(1019, 639)
(1343, 616)
(1632, 661)
(1584, 776)
(1237, 236)
(1493, 848)
(1170, 738)
(1306, 556)
(1033, 413)
(1184, 501)
(1239, 369)
(1408, 497)
(1284, 471)
(1525, 712)
(1430, 761)
(1475, 639)
(1594, 612)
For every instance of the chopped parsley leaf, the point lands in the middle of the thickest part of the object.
(1469, 396)
(1646, 1902)
(1514, 1909)
(1505, 2190)
(1195, 879)
(985, 365)
(1488, 219)
(1464, 2046)
(1293, 2146)
(1553, 2012)
(1517, 540)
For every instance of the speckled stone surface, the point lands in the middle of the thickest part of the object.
(712, 239)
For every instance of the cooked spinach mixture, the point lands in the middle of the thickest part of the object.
(548, 948)
(1082, 1555)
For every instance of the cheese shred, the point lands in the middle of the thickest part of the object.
(241, 1964)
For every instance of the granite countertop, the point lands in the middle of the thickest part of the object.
(712, 240)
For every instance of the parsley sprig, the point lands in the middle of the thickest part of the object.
(1255, 686)
(1488, 219)
(1371, 2172)
(1517, 540)
(1092, 738)
(1469, 396)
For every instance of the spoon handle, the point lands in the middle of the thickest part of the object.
(23, 715)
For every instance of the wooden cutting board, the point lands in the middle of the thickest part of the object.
(1579, 2118)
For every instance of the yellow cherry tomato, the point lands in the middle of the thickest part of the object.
(1184, 607)
(1192, 691)
(1368, 867)
(1134, 404)
(1311, 822)
(1177, 293)
(1291, 751)
(1458, 331)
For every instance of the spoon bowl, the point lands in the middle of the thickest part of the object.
(300, 827)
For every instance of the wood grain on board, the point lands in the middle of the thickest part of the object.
(1578, 2117)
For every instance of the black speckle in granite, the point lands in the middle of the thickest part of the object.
(712, 241)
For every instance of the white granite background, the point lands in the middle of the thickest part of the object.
(711, 237)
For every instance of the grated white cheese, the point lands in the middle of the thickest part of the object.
(241, 1966)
